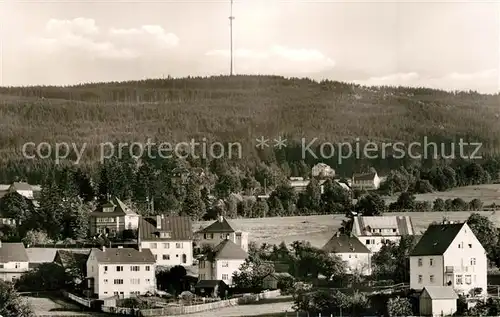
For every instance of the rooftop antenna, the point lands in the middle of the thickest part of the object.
(231, 18)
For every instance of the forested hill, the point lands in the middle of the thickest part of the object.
(241, 108)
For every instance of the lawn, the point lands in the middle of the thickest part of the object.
(48, 305)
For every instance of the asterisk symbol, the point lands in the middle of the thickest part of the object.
(262, 142)
(280, 143)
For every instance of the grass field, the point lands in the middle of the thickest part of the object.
(47, 305)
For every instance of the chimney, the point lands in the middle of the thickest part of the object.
(221, 218)
(158, 222)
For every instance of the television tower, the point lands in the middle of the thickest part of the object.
(231, 18)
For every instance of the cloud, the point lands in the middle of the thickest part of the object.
(154, 31)
(277, 59)
(486, 80)
(82, 37)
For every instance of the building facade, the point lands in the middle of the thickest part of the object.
(170, 239)
(220, 231)
(449, 255)
(355, 254)
(13, 261)
(222, 263)
(122, 272)
(112, 219)
(438, 301)
(368, 181)
(374, 231)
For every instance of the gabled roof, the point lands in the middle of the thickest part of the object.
(219, 226)
(363, 226)
(124, 256)
(180, 228)
(436, 239)
(41, 255)
(13, 252)
(440, 292)
(208, 283)
(345, 244)
(21, 186)
(228, 250)
(364, 176)
(120, 209)
(67, 258)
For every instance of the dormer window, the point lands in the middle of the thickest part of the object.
(108, 209)
(165, 235)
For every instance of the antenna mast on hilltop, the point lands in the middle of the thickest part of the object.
(231, 18)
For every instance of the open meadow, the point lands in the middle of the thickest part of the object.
(48, 305)
(318, 229)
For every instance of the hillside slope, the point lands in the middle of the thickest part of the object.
(241, 108)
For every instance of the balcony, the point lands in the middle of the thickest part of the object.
(459, 269)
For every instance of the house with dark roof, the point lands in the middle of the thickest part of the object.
(13, 261)
(449, 254)
(219, 231)
(438, 301)
(112, 218)
(374, 231)
(122, 272)
(368, 181)
(221, 262)
(170, 239)
(355, 254)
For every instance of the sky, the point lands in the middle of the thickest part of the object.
(446, 45)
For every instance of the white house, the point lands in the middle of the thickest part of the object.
(449, 255)
(322, 170)
(113, 218)
(438, 301)
(299, 184)
(219, 231)
(366, 181)
(13, 261)
(354, 253)
(170, 239)
(23, 189)
(374, 231)
(226, 258)
(121, 271)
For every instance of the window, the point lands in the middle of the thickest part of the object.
(165, 235)
(18, 265)
(166, 257)
(473, 261)
(367, 241)
(460, 245)
(135, 281)
(468, 279)
(154, 245)
(393, 230)
(105, 281)
(148, 281)
(118, 281)
(225, 264)
(116, 293)
(420, 279)
(166, 245)
(431, 278)
(202, 264)
(119, 268)
(105, 268)
(349, 256)
(135, 268)
(225, 277)
(148, 268)
(470, 245)
(431, 262)
(459, 280)
(178, 245)
(420, 262)
(156, 257)
(202, 276)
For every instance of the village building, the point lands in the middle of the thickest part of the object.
(211, 288)
(374, 231)
(299, 184)
(23, 189)
(122, 272)
(322, 170)
(13, 261)
(220, 231)
(112, 218)
(438, 301)
(449, 254)
(170, 239)
(355, 254)
(368, 181)
(272, 280)
(221, 263)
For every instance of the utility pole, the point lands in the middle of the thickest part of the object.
(231, 18)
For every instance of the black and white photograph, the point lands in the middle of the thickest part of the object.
(249, 158)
